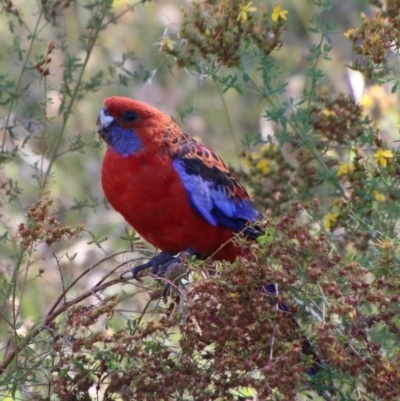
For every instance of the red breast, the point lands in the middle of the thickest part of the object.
(148, 192)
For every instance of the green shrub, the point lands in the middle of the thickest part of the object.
(75, 325)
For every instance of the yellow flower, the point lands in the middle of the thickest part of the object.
(279, 13)
(250, 158)
(244, 10)
(235, 295)
(330, 219)
(267, 147)
(379, 196)
(350, 33)
(168, 43)
(264, 166)
(382, 156)
(328, 112)
(345, 168)
(367, 101)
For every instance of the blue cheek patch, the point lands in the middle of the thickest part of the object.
(124, 141)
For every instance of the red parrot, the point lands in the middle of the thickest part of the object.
(176, 192)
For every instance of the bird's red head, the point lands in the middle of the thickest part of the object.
(129, 126)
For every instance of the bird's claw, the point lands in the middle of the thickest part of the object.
(160, 263)
(155, 263)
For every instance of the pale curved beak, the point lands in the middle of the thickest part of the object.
(104, 120)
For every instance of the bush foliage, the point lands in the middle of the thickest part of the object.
(324, 169)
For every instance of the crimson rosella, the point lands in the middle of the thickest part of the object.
(176, 192)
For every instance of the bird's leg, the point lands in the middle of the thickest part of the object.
(283, 306)
(160, 263)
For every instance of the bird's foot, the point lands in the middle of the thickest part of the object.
(160, 263)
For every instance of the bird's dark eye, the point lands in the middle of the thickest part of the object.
(130, 116)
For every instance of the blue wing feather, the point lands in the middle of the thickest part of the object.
(209, 195)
